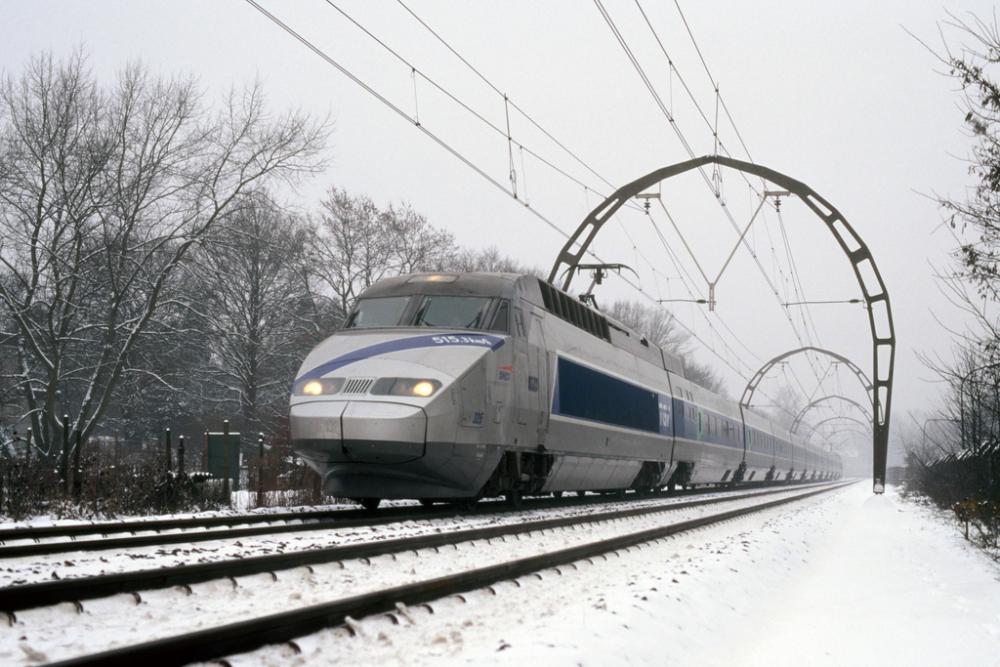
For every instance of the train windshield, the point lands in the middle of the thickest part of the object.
(378, 312)
(452, 312)
(444, 312)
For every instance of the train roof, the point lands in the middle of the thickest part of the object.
(506, 285)
(447, 282)
(536, 290)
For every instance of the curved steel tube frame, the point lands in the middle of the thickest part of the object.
(822, 399)
(869, 279)
(766, 368)
(815, 427)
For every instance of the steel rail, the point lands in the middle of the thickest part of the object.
(27, 596)
(354, 518)
(110, 527)
(243, 636)
(113, 527)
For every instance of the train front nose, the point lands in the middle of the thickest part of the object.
(376, 432)
(359, 431)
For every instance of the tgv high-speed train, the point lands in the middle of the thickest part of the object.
(452, 386)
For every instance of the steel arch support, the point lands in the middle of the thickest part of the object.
(823, 399)
(866, 426)
(758, 377)
(815, 427)
(869, 278)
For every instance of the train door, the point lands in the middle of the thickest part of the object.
(522, 369)
(531, 379)
(538, 378)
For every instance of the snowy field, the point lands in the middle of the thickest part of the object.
(844, 578)
(58, 632)
(30, 569)
(847, 578)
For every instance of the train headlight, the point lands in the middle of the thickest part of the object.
(318, 387)
(423, 389)
(418, 387)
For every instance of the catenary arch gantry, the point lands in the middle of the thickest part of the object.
(873, 289)
(824, 399)
(758, 377)
(862, 427)
(813, 428)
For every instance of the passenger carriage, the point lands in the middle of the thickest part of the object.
(450, 386)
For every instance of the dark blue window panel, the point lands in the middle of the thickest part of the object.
(589, 394)
(681, 419)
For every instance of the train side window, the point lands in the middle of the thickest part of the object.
(501, 318)
(519, 321)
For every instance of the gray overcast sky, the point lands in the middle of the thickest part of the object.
(834, 94)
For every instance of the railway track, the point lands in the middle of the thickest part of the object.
(26, 596)
(247, 635)
(200, 529)
(144, 525)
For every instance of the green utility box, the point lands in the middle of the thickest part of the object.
(223, 456)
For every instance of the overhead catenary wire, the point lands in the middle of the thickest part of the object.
(713, 186)
(687, 147)
(508, 104)
(714, 81)
(388, 103)
(461, 157)
(720, 146)
(469, 163)
(497, 90)
(795, 276)
(680, 78)
(666, 212)
(684, 272)
(725, 344)
(416, 71)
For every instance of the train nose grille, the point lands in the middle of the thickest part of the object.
(357, 385)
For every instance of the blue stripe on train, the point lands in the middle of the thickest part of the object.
(399, 344)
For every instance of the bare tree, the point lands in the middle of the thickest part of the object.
(964, 471)
(973, 66)
(358, 244)
(785, 405)
(704, 375)
(657, 324)
(490, 260)
(104, 191)
(660, 327)
(414, 244)
(254, 312)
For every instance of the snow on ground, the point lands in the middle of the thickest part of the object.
(29, 569)
(59, 632)
(242, 505)
(846, 578)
